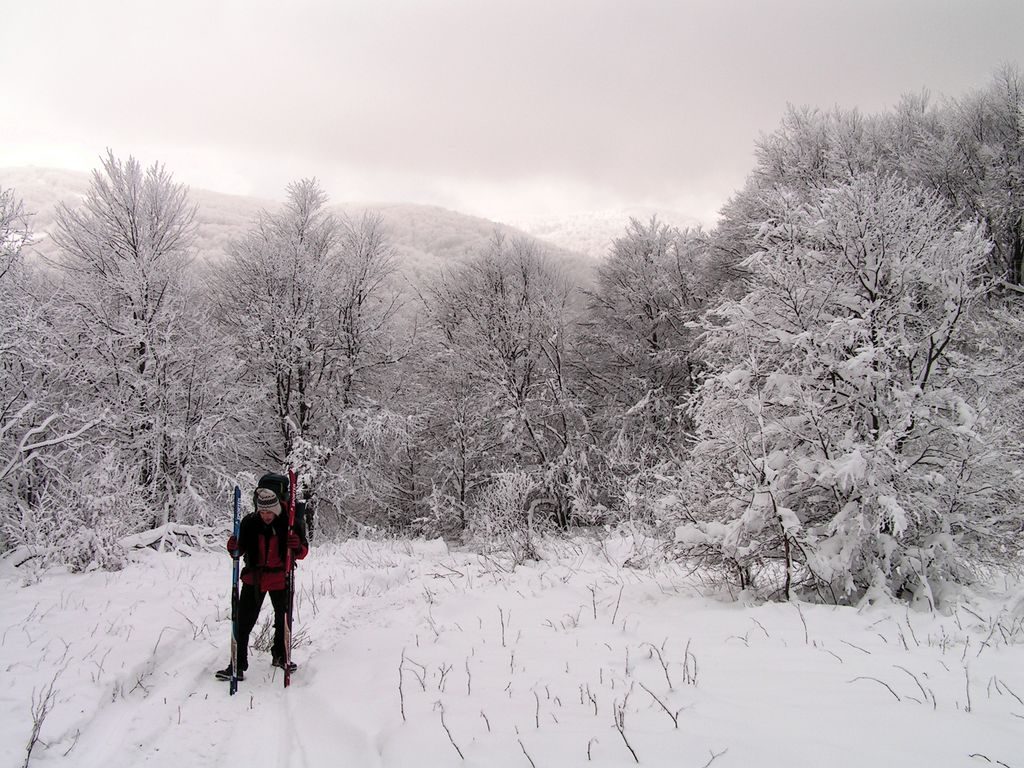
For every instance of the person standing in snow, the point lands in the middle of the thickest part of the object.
(263, 536)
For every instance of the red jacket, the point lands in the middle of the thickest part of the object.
(263, 551)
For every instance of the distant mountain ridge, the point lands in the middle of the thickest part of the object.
(593, 232)
(425, 237)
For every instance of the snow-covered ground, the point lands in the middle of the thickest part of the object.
(411, 655)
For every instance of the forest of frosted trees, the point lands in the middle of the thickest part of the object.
(824, 395)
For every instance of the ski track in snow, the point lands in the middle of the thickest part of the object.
(410, 655)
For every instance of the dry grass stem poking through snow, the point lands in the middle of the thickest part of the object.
(42, 704)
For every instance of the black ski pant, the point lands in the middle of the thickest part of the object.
(249, 603)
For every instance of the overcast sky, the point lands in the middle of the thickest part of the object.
(501, 108)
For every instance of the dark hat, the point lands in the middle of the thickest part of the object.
(266, 499)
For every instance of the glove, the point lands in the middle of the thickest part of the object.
(232, 545)
(294, 542)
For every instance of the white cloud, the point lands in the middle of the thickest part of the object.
(493, 107)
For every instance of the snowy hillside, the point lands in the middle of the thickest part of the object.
(593, 232)
(412, 655)
(426, 237)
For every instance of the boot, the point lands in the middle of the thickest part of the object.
(225, 674)
(279, 662)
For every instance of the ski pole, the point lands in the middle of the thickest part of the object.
(290, 576)
(233, 687)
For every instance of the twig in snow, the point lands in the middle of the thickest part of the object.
(42, 704)
(807, 639)
(988, 759)
(1004, 686)
(401, 694)
(443, 725)
(421, 675)
(593, 699)
(912, 633)
(619, 715)
(443, 670)
(879, 682)
(973, 614)
(523, 747)
(714, 757)
(674, 717)
(616, 613)
(78, 732)
(689, 678)
(140, 684)
(921, 687)
(158, 639)
(664, 664)
(903, 638)
(197, 631)
(967, 685)
(862, 650)
(761, 626)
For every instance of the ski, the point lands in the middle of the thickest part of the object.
(233, 687)
(289, 568)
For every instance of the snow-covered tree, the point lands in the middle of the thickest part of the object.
(137, 340)
(637, 366)
(17, 339)
(839, 440)
(41, 427)
(272, 296)
(502, 324)
(309, 300)
(14, 230)
(983, 154)
(970, 150)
